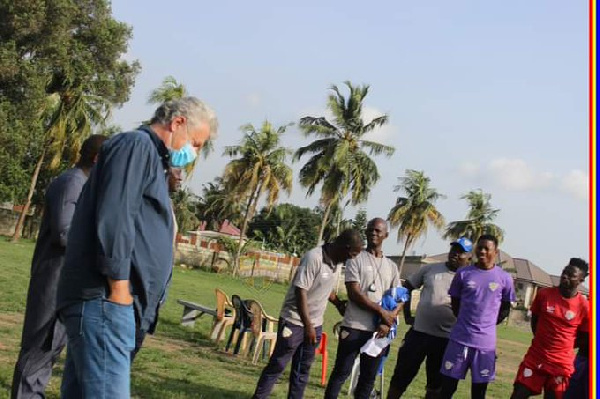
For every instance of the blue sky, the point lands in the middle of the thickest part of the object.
(489, 95)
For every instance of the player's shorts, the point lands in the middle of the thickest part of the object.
(459, 358)
(535, 378)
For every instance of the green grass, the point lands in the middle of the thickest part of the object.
(181, 362)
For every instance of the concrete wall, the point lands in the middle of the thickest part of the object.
(194, 251)
(8, 222)
(519, 319)
(526, 292)
(274, 267)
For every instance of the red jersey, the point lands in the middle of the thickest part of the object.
(559, 320)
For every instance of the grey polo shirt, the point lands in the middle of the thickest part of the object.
(434, 312)
(318, 276)
(368, 270)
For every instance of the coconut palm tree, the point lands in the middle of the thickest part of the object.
(184, 207)
(216, 204)
(479, 219)
(340, 157)
(259, 169)
(170, 89)
(416, 210)
(69, 118)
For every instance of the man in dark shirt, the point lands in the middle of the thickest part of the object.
(120, 250)
(43, 335)
(174, 180)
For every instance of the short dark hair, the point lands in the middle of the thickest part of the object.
(89, 149)
(489, 237)
(350, 238)
(580, 264)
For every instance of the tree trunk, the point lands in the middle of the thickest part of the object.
(324, 222)
(406, 245)
(339, 221)
(249, 211)
(238, 251)
(25, 209)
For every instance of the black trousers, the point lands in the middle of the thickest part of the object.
(416, 348)
(349, 344)
(290, 345)
(37, 356)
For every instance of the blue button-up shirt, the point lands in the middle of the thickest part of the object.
(122, 228)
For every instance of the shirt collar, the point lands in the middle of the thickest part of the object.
(327, 260)
(162, 149)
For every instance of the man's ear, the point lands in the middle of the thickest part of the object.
(95, 158)
(176, 122)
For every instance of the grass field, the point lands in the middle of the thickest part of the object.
(180, 362)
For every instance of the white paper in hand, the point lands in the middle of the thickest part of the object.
(375, 346)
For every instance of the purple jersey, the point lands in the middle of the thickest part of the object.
(480, 293)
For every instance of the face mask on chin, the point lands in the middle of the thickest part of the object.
(184, 156)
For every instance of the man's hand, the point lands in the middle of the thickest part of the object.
(338, 303)
(310, 335)
(119, 292)
(388, 318)
(341, 307)
(382, 331)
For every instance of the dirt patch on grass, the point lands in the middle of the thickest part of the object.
(168, 345)
(506, 372)
(11, 319)
(198, 354)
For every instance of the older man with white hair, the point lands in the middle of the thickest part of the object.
(120, 250)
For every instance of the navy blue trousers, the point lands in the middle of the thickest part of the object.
(290, 345)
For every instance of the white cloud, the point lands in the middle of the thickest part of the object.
(513, 174)
(386, 134)
(517, 175)
(469, 169)
(253, 99)
(576, 183)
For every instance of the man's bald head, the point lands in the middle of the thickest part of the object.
(377, 231)
(378, 221)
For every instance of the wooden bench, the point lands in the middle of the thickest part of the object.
(193, 311)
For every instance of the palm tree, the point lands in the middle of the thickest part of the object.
(170, 89)
(259, 169)
(479, 219)
(278, 238)
(216, 204)
(68, 118)
(184, 206)
(414, 212)
(340, 156)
